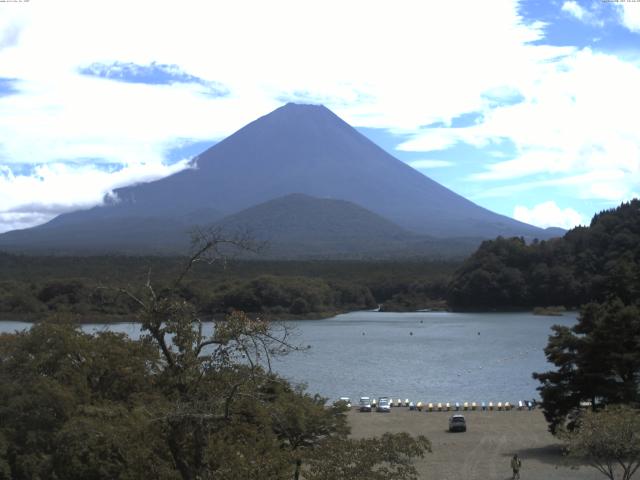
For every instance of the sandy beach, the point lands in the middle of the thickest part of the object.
(484, 451)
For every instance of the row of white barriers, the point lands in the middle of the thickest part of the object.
(464, 406)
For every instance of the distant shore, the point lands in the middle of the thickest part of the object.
(113, 319)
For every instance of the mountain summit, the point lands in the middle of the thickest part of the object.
(295, 149)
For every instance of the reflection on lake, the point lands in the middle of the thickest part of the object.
(428, 356)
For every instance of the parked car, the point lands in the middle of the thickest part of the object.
(346, 401)
(365, 404)
(457, 423)
(384, 404)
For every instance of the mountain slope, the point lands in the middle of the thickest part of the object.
(308, 149)
(133, 235)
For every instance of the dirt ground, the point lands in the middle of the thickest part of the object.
(484, 451)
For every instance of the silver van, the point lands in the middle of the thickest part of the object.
(365, 404)
(384, 404)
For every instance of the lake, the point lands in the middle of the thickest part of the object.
(428, 356)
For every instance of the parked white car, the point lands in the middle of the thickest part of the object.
(384, 404)
(365, 404)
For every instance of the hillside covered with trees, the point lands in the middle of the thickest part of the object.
(588, 264)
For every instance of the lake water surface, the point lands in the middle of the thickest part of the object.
(428, 356)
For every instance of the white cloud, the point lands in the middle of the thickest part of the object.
(279, 49)
(431, 163)
(443, 138)
(577, 119)
(610, 186)
(574, 9)
(56, 188)
(630, 16)
(548, 214)
(585, 15)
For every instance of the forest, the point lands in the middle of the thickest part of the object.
(588, 264)
(89, 289)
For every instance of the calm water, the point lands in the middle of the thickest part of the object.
(428, 356)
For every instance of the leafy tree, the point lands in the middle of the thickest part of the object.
(597, 360)
(389, 457)
(302, 422)
(609, 440)
(111, 441)
(53, 377)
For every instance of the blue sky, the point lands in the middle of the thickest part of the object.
(528, 108)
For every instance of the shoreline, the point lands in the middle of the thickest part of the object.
(116, 319)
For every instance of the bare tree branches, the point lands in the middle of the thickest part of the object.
(212, 245)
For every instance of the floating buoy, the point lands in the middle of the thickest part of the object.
(410, 333)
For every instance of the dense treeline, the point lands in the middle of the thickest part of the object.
(89, 288)
(589, 264)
